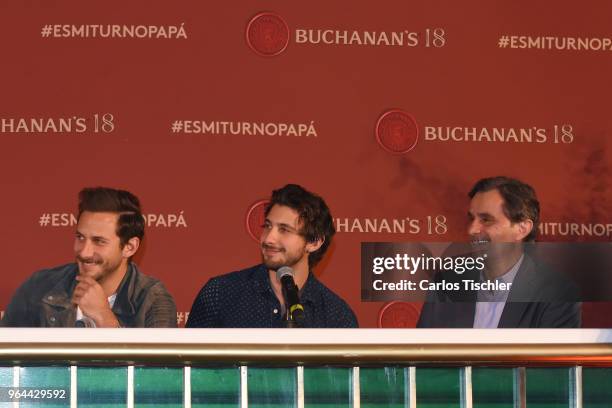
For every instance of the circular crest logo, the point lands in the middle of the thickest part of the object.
(255, 219)
(267, 34)
(397, 132)
(399, 314)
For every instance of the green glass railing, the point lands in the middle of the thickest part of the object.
(268, 371)
(322, 387)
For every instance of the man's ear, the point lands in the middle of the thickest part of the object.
(524, 228)
(315, 245)
(130, 247)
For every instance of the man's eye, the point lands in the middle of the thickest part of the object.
(266, 226)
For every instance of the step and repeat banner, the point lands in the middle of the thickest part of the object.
(389, 110)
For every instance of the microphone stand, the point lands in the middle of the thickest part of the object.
(294, 318)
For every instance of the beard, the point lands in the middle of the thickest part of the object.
(281, 258)
(96, 267)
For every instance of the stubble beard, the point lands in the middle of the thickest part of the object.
(287, 261)
(103, 269)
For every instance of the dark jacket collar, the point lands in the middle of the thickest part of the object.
(463, 312)
(124, 306)
(523, 286)
(60, 295)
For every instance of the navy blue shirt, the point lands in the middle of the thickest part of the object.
(246, 299)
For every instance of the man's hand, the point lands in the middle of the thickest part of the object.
(90, 297)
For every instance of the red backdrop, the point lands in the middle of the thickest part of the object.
(479, 69)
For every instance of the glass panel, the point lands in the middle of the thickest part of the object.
(492, 387)
(215, 387)
(102, 387)
(46, 378)
(383, 387)
(437, 387)
(272, 387)
(6, 380)
(158, 387)
(327, 387)
(597, 387)
(548, 387)
(6, 376)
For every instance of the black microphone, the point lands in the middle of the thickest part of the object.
(295, 311)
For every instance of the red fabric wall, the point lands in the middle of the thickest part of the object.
(452, 71)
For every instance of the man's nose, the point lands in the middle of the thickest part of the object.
(85, 249)
(474, 227)
(269, 235)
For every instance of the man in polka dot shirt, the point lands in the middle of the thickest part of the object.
(297, 231)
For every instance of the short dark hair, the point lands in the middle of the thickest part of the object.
(317, 222)
(520, 201)
(102, 199)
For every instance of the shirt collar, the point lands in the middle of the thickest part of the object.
(310, 292)
(508, 277)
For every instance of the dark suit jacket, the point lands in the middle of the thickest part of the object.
(550, 302)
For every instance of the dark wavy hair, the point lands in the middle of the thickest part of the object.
(520, 201)
(102, 199)
(317, 222)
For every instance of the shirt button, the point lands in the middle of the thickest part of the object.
(275, 311)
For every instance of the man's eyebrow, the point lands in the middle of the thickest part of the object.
(281, 224)
(96, 237)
